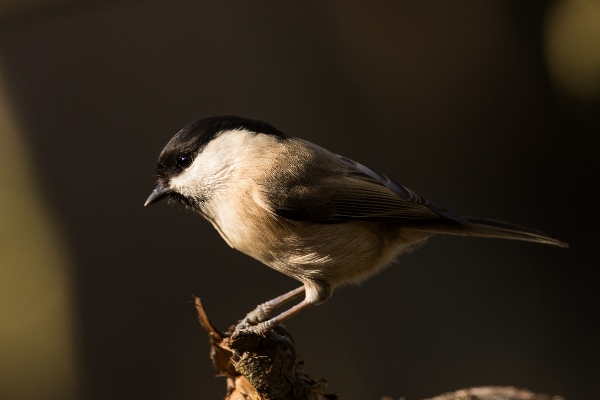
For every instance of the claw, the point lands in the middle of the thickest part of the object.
(262, 312)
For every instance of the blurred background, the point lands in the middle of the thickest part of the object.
(490, 109)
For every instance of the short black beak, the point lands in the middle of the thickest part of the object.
(159, 193)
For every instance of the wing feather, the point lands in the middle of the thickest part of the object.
(355, 193)
(336, 189)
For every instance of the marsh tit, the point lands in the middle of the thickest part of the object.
(313, 215)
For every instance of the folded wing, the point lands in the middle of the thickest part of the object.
(357, 193)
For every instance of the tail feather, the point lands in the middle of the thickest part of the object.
(492, 229)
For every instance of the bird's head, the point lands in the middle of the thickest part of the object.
(200, 158)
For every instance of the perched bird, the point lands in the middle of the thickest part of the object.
(315, 216)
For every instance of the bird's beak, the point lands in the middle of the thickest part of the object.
(159, 193)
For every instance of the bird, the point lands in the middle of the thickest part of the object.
(318, 217)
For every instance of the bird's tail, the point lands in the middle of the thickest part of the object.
(491, 229)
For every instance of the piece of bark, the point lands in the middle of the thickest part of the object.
(260, 367)
(265, 368)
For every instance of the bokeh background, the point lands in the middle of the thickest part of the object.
(491, 109)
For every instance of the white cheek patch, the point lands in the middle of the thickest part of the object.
(221, 162)
(221, 177)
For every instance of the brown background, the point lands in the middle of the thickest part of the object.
(451, 98)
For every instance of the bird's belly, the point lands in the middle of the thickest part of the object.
(334, 253)
(337, 253)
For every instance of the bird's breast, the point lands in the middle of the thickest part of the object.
(243, 223)
(335, 253)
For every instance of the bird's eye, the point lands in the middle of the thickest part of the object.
(184, 161)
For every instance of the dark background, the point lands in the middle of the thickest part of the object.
(454, 99)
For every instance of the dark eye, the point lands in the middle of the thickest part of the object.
(184, 161)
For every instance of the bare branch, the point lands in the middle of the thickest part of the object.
(265, 367)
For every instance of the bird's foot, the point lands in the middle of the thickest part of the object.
(258, 329)
(256, 317)
(263, 311)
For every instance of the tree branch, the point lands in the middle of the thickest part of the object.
(266, 368)
(494, 393)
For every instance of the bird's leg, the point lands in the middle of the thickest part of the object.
(262, 311)
(266, 326)
(273, 327)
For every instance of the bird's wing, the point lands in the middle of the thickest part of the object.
(355, 193)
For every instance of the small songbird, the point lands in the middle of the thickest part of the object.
(315, 216)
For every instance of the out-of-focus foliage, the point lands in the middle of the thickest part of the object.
(37, 355)
(572, 46)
